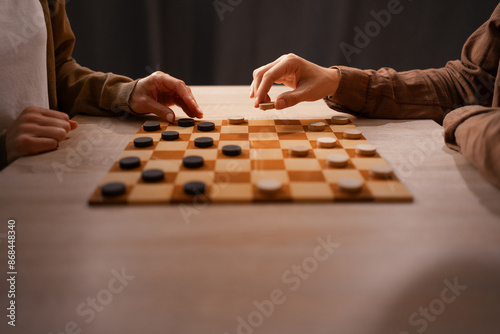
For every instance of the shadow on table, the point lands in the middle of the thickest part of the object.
(487, 194)
(461, 296)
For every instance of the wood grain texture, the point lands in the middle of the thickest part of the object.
(198, 268)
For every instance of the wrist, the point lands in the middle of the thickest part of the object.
(333, 74)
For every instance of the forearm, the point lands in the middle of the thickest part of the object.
(426, 93)
(81, 90)
(475, 132)
(389, 94)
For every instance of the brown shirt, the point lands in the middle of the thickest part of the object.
(72, 88)
(464, 96)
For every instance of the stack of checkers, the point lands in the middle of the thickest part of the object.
(238, 160)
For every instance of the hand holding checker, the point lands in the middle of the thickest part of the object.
(309, 81)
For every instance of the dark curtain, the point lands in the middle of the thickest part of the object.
(222, 41)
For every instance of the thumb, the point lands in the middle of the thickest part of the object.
(73, 124)
(289, 99)
(162, 111)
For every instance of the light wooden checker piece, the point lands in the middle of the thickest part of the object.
(266, 170)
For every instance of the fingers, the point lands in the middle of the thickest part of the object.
(52, 113)
(286, 70)
(73, 124)
(289, 99)
(46, 119)
(159, 91)
(165, 83)
(185, 107)
(36, 130)
(310, 82)
(28, 145)
(34, 145)
(258, 74)
(277, 74)
(161, 110)
(52, 132)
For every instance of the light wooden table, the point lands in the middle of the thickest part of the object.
(206, 273)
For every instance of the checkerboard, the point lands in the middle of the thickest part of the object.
(265, 154)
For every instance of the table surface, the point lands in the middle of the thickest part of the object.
(428, 266)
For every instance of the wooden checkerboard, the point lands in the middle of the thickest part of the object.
(265, 154)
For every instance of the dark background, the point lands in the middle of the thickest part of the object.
(189, 40)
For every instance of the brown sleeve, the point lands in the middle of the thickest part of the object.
(475, 132)
(3, 150)
(79, 89)
(430, 93)
(396, 95)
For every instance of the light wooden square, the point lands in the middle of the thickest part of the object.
(232, 165)
(387, 190)
(280, 175)
(245, 145)
(352, 143)
(143, 155)
(214, 136)
(342, 128)
(316, 135)
(266, 154)
(231, 192)
(311, 191)
(155, 135)
(234, 129)
(184, 177)
(334, 175)
(263, 136)
(323, 153)
(217, 122)
(180, 129)
(145, 193)
(129, 178)
(260, 122)
(172, 146)
(302, 164)
(207, 154)
(288, 143)
(164, 165)
(367, 163)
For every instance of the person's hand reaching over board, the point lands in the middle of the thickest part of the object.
(158, 92)
(309, 81)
